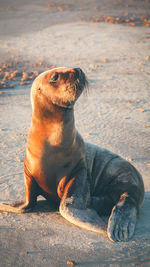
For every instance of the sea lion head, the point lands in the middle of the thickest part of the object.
(59, 87)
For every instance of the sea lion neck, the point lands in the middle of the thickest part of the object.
(55, 126)
(55, 113)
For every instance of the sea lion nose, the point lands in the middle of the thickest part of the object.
(78, 72)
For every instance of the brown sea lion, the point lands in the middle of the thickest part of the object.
(85, 180)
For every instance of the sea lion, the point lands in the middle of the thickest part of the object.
(86, 181)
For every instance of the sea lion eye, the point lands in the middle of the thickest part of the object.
(54, 77)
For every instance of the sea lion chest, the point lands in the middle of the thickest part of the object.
(48, 161)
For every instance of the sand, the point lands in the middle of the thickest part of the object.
(115, 55)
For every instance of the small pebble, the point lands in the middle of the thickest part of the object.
(72, 263)
(128, 159)
(105, 60)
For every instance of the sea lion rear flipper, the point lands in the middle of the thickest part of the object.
(122, 221)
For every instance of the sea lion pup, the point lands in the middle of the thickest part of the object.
(85, 180)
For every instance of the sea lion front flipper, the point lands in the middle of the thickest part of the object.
(122, 221)
(86, 218)
(31, 193)
(75, 207)
(15, 207)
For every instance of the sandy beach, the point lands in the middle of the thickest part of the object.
(110, 41)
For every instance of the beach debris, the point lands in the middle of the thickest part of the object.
(129, 159)
(140, 109)
(70, 262)
(106, 60)
(126, 20)
(20, 73)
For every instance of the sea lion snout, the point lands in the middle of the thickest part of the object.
(75, 76)
(79, 74)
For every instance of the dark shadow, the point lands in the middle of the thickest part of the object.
(45, 206)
